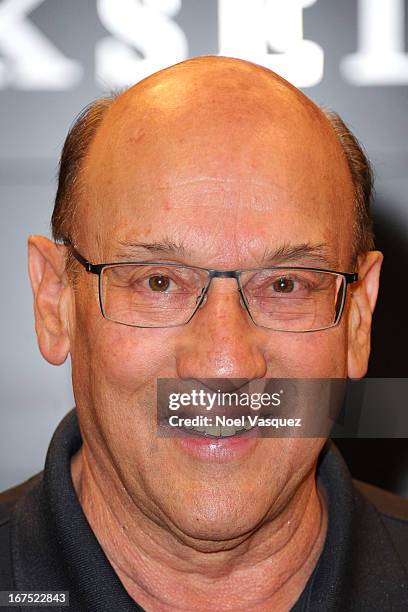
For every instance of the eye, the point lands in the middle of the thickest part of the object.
(283, 285)
(159, 282)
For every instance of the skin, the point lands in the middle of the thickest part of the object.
(230, 160)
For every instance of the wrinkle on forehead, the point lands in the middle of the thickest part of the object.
(211, 180)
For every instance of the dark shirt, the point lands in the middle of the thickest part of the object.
(46, 542)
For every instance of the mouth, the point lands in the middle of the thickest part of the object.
(221, 439)
(212, 445)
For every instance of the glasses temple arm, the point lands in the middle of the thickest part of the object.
(84, 262)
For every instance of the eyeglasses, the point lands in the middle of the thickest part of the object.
(159, 294)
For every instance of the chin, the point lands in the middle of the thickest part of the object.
(219, 522)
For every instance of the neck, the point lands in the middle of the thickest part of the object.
(268, 569)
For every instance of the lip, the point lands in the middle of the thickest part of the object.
(211, 448)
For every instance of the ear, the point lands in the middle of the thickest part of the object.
(362, 304)
(52, 295)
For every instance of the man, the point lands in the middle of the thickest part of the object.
(219, 164)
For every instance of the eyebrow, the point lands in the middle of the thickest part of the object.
(130, 248)
(306, 252)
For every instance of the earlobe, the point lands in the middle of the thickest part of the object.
(362, 304)
(46, 267)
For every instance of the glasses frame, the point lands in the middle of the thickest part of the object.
(349, 277)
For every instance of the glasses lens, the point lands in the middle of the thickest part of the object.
(151, 295)
(294, 300)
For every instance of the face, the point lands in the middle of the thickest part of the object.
(223, 182)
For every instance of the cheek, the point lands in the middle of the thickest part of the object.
(128, 356)
(310, 355)
(117, 355)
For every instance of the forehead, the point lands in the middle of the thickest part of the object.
(228, 173)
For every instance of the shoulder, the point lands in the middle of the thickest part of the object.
(387, 503)
(8, 501)
(393, 514)
(10, 497)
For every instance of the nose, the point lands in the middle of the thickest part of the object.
(221, 340)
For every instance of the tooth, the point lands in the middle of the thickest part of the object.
(219, 430)
(247, 425)
(227, 430)
(214, 430)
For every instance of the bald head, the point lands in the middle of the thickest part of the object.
(213, 118)
(211, 99)
(213, 80)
